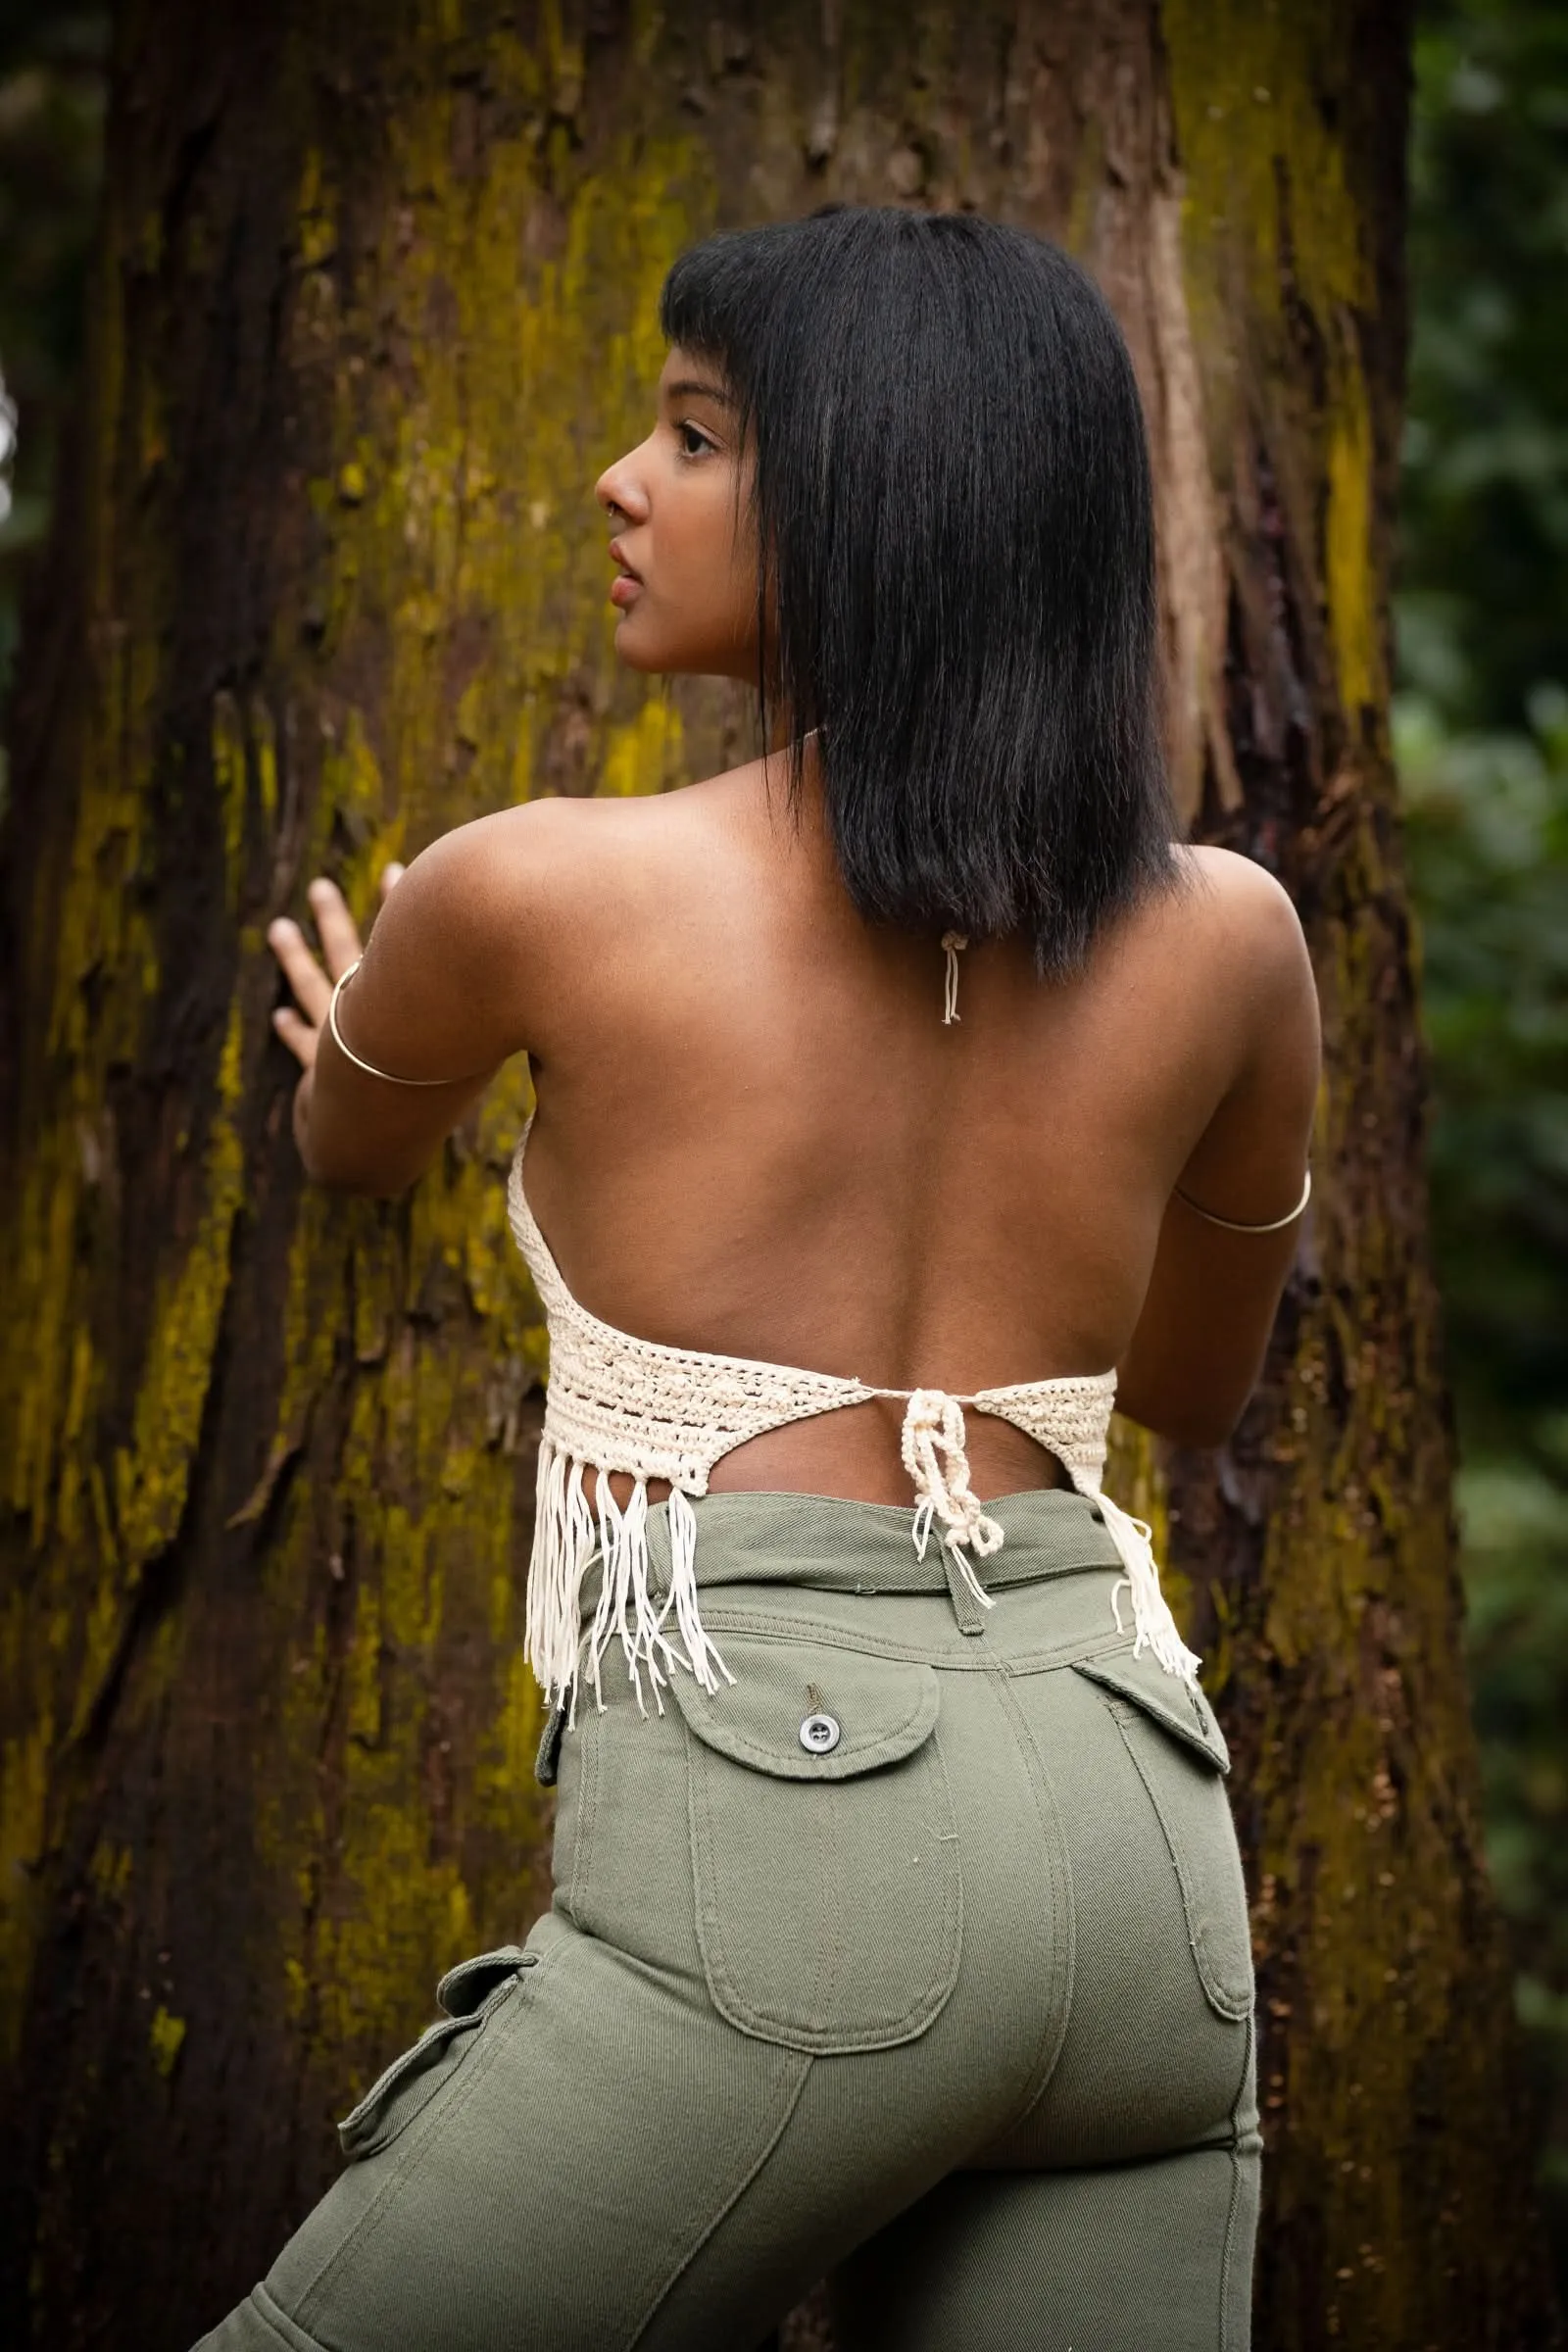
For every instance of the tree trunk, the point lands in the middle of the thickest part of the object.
(375, 302)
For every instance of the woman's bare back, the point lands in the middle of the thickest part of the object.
(756, 1136)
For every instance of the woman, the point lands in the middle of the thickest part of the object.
(899, 1929)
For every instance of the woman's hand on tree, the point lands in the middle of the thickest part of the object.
(312, 979)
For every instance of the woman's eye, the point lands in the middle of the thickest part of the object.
(693, 443)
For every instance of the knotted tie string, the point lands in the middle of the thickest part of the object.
(953, 944)
(933, 1426)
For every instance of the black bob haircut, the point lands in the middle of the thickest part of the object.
(955, 521)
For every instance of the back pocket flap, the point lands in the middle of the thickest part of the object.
(1180, 1707)
(824, 1848)
(801, 1711)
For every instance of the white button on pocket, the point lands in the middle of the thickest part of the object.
(820, 1735)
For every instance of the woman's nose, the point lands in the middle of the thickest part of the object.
(618, 491)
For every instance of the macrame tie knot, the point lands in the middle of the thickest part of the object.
(933, 1426)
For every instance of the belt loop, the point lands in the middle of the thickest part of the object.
(970, 1615)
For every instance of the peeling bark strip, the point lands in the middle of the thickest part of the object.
(375, 302)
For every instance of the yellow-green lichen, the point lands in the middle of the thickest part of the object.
(166, 2038)
(1348, 553)
(644, 754)
(1265, 119)
(152, 1473)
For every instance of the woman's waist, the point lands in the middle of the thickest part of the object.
(787, 1559)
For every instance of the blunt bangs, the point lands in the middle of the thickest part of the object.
(955, 530)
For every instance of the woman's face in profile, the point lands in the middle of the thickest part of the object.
(681, 537)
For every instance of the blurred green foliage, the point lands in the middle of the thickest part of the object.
(1481, 729)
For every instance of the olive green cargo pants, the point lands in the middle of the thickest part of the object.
(918, 1956)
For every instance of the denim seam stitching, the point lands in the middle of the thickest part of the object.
(1233, 2209)
(836, 1637)
(269, 2322)
(803, 2061)
(588, 1811)
(1063, 1897)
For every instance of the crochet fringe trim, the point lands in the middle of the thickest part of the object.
(569, 1532)
(1153, 1626)
(658, 1637)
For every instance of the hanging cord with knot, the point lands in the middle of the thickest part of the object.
(1153, 1626)
(933, 1425)
(953, 944)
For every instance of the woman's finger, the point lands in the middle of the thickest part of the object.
(298, 1035)
(391, 875)
(340, 938)
(313, 991)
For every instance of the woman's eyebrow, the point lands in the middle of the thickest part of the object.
(691, 388)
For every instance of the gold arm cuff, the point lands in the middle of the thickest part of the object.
(344, 1048)
(1233, 1225)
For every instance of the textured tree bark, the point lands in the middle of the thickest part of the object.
(375, 303)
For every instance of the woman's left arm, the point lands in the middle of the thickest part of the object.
(435, 999)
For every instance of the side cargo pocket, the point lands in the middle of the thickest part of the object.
(1179, 1752)
(469, 1994)
(825, 1854)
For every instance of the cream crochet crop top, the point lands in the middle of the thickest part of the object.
(620, 1403)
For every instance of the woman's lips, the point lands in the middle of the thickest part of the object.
(627, 587)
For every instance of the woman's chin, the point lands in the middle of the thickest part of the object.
(663, 652)
(636, 648)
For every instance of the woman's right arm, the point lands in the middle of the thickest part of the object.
(1200, 1339)
(448, 988)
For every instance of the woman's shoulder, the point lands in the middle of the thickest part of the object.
(544, 887)
(1231, 904)
(1207, 873)
(1222, 948)
(560, 838)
